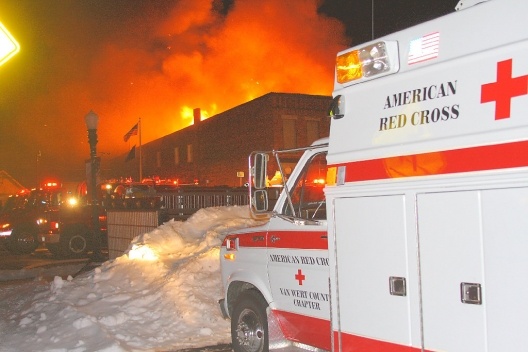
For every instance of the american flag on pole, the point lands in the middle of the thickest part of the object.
(424, 48)
(133, 132)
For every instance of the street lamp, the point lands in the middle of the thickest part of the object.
(91, 119)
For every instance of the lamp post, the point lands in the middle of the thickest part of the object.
(91, 119)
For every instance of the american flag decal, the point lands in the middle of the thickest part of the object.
(424, 48)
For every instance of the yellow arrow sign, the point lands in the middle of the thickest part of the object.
(8, 45)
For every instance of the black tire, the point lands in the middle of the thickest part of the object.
(75, 241)
(8, 244)
(23, 239)
(249, 323)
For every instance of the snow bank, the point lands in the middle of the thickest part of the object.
(162, 295)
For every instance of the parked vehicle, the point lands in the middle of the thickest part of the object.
(419, 242)
(68, 230)
(19, 224)
(50, 215)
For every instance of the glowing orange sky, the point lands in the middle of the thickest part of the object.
(156, 64)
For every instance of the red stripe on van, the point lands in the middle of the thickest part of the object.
(282, 239)
(316, 332)
(298, 239)
(353, 343)
(489, 157)
(304, 329)
(251, 239)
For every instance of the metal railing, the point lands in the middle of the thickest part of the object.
(181, 203)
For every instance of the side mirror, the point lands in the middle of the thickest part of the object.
(260, 201)
(337, 108)
(260, 162)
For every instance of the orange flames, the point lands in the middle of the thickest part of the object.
(160, 63)
(215, 62)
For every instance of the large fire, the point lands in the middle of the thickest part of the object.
(187, 114)
(215, 62)
(160, 63)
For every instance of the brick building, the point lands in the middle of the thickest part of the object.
(215, 151)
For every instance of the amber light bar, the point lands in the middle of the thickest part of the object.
(367, 62)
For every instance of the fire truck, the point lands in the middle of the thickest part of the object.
(52, 215)
(18, 239)
(419, 240)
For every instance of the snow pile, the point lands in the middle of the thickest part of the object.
(161, 296)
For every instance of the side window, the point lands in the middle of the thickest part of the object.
(33, 199)
(307, 194)
(55, 199)
(43, 199)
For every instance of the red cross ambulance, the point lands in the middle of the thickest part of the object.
(406, 229)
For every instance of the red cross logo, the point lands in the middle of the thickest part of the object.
(502, 91)
(300, 277)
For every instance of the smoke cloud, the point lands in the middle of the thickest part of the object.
(154, 60)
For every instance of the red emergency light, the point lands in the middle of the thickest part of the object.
(51, 184)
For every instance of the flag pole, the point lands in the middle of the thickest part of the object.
(140, 160)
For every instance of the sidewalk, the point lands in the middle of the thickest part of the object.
(40, 264)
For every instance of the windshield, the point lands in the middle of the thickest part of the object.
(307, 193)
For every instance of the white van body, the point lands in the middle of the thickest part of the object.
(427, 212)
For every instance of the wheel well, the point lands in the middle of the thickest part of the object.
(236, 288)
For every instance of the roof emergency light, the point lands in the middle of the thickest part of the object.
(374, 60)
(51, 184)
(348, 67)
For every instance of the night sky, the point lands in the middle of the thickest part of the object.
(158, 60)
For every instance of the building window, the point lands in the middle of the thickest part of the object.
(158, 159)
(289, 133)
(176, 156)
(189, 153)
(312, 131)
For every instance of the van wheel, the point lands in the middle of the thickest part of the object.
(75, 241)
(23, 239)
(249, 323)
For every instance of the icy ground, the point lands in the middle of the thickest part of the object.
(160, 296)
